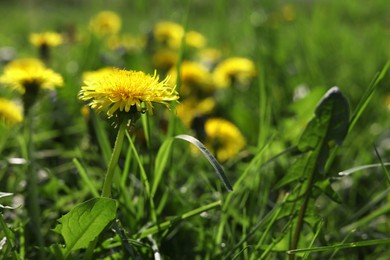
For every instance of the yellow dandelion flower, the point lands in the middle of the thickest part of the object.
(46, 39)
(122, 90)
(234, 70)
(94, 75)
(195, 40)
(10, 112)
(169, 34)
(190, 108)
(209, 57)
(105, 23)
(27, 74)
(165, 59)
(196, 81)
(126, 42)
(223, 138)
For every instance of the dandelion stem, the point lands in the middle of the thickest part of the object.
(32, 188)
(106, 192)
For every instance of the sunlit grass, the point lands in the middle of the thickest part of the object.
(293, 167)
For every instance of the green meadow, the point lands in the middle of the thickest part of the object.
(194, 129)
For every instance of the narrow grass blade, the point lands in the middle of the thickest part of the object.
(368, 95)
(387, 174)
(102, 138)
(161, 161)
(367, 219)
(341, 246)
(167, 224)
(85, 178)
(213, 161)
(362, 167)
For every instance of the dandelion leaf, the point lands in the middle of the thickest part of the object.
(328, 127)
(85, 222)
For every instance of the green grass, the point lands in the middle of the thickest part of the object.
(166, 199)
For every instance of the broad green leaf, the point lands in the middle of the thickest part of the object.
(330, 121)
(85, 222)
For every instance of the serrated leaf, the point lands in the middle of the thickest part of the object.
(85, 222)
(330, 125)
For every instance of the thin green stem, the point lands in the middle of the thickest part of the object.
(106, 192)
(32, 187)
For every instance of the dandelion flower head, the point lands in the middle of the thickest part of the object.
(196, 80)
(23, 74)
(195, 40)
(190, 108)
(105, 23)
(224, 139)
(169, 34)
(10, 112)
(123, 89)
(46, 38)
(235, 69)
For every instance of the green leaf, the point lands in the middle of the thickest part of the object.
(85, 222)
(324, 186)
(330, 121)
(330, 125)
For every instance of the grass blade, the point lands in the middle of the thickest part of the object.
(167, 224)
(213, 161)
(341, 246)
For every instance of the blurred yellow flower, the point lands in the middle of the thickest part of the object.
(30, 75)
(223, 138)
(95, 75)
(195, 40)
(105, 23)
(234, 70)
(168, 34)
(288, 12)
(126, 42)
(195, 79)
(10, 112)
(51, 39)
(122, 90)
(209, 57)
(190, 108)
(165, 59)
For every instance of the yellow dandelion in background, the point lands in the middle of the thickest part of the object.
(105, 23)
(195, 40)
(126, 42)
(95, 75)
(169, 34)
(209, 57)
(234, 70)
(122, 90)
(196, 80)
(10, 112)
(190, 108)
(51, 39)
(165, 59)
(30, 74)
(223, 138)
